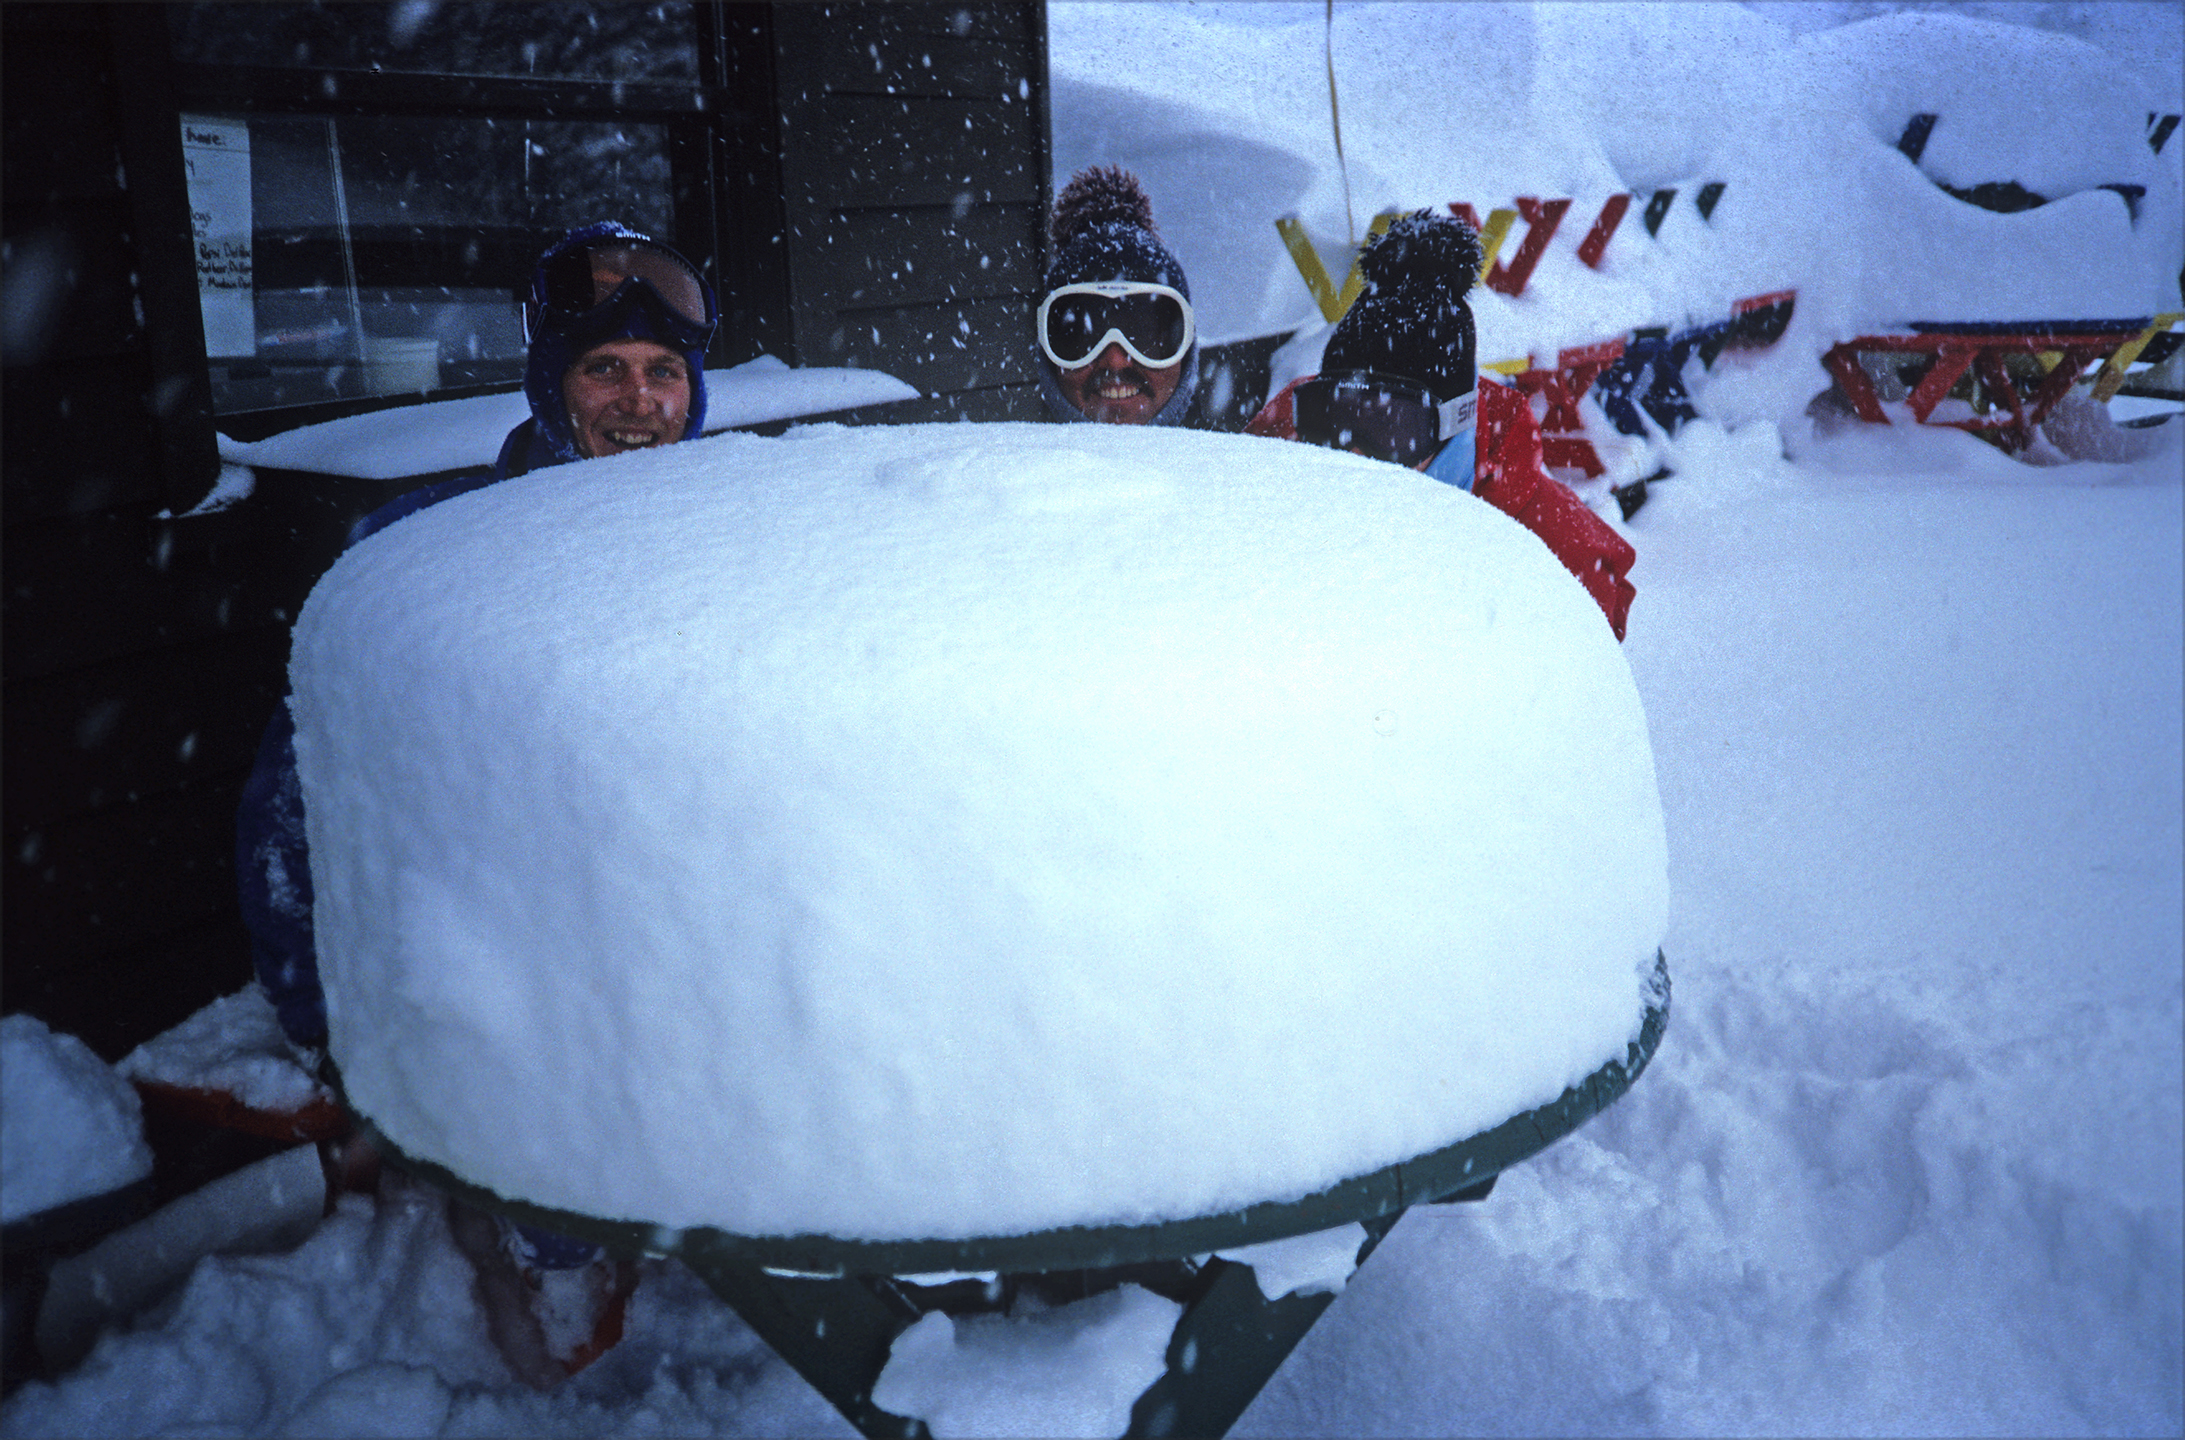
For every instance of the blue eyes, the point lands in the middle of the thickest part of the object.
(608, 369)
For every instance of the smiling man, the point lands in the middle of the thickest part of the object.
(617, 324)
(1115, 327)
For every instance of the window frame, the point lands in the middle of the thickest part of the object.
(723, 143)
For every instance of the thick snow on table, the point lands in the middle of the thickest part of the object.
(951, 830)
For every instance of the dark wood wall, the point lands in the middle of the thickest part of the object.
(142, 652)
(915, 179)
(145, 646)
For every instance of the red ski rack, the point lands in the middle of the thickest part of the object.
(1563, 440)
(1982, 349)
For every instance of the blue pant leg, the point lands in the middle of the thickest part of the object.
(273, 884)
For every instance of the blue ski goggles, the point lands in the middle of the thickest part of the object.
(1151, 322)
(1385, 417)
(587, 289)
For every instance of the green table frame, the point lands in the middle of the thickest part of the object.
(832, 1307)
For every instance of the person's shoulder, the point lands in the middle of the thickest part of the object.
(518, 455)
(410, 502)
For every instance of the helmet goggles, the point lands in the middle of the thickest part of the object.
(1383, 416)
(586, 289)
(1151, 322)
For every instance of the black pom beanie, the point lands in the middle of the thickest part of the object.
(1411, 319)
(1103, 229)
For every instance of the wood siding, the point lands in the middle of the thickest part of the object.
(915, 180)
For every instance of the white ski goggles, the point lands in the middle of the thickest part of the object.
(1151, 322)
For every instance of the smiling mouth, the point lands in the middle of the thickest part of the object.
(632, 439)
(1118, 387)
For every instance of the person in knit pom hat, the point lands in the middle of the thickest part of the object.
(1411, 317)
(1399, 381)
(1399, 373)
(1116, 334)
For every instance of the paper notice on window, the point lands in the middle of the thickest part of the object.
(216, 154)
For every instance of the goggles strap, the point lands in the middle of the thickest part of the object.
(1456, 415)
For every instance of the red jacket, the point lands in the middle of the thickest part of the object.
(1510, 476)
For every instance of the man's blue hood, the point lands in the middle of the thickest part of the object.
(549, 440)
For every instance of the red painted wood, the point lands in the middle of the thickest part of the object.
(1595, 244)
(1541, 219)
(1983, 354)
(1562, 388)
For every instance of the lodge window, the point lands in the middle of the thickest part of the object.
(370, 184)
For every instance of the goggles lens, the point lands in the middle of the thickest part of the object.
(1381, 416)
(1153, 323)
(581, 280)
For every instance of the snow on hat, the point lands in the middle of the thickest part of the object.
(1103, 229)
(1411, 318)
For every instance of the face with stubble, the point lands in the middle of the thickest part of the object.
(1116, 390)
(626, 395)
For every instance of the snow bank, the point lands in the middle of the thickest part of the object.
(1323, 1260)
(1223, 111)
(464, 434)
(1075, 1369)
(951, 830)
(1912, 1159)
(70, 1128)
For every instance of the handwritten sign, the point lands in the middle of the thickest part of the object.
(216, 153)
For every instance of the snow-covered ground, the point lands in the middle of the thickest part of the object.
(1909, 1161)
(1911, 1158)
(71, 1128)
